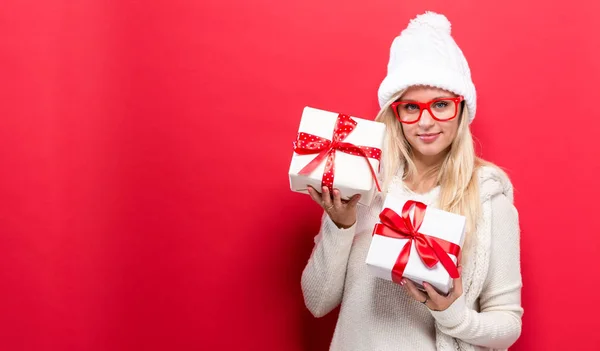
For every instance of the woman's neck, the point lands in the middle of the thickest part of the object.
(427, 173)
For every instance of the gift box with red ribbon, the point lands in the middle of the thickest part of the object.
(337, 151)
(417, 242)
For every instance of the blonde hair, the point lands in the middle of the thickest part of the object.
(456, 175)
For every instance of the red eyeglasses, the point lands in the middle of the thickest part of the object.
(443, 109)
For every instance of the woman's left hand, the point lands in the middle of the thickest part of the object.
(432, 299)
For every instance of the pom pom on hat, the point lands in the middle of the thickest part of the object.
(432, 20)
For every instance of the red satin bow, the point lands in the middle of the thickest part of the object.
(307, 144)
(431, 250)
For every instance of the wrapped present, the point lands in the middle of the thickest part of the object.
(416, 242)
(337, 151)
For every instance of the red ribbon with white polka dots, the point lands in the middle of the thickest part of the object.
(307, 144)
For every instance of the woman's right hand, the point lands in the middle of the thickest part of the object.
(342, 213)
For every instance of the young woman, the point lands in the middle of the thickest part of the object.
(427, 102)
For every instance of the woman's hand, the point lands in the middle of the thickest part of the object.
(342, 213)
(432, 299)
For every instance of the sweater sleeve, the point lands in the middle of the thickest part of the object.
(324, 275)
(498, 324)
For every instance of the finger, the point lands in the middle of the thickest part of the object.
(353, 201)
(337, 198)
(327, 203)
(314, 194)
(413, 291)
(433, 295)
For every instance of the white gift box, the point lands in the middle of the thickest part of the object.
(384, 251)
(352, 173)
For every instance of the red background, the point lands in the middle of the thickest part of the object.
(144, 148)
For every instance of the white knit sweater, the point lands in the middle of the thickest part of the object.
(377, 314)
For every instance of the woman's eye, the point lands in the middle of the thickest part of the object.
(440, 104)
(411, 107)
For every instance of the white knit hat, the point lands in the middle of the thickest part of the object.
(426, 54)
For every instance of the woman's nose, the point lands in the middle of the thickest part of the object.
(426, 119)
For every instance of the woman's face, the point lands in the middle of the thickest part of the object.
(428, 137)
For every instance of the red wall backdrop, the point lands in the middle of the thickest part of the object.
(144, 201)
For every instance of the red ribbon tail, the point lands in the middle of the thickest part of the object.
(373, 173)
(445, 260)
(401, 263)
(312, 165)
(428, 255)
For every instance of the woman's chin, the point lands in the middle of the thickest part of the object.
(429, 150)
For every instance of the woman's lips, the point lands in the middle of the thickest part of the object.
(429, 137)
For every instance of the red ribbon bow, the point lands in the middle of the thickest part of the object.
(307, 144)
(431, 250)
